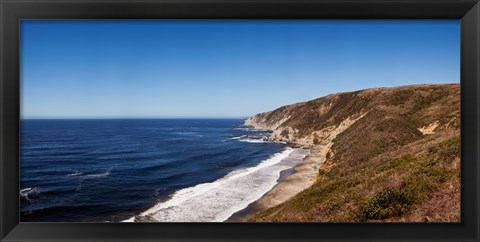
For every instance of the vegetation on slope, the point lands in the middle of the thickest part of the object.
(382, 167)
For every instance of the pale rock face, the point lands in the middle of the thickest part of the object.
(279, 134)
(257, 122)
(429, 129)
(323, 138)
(260, 122)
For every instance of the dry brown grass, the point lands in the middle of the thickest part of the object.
(382, 168)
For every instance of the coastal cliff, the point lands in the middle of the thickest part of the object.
(388, 154)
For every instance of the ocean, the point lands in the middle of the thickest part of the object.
(172, 170)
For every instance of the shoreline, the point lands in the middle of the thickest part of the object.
(230, 184)
(290, 182)
(302, 177)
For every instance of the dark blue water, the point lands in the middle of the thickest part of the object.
(111, 170)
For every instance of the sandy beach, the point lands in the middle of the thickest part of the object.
(302, 177)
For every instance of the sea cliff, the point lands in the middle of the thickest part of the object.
(387, 154)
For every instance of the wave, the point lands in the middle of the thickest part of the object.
(104, 174)
(75, 173)
(29, 193)
(238, 137)
(250, 140)
(218, 200)
(251, 129)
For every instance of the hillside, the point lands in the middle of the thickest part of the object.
(389, 154)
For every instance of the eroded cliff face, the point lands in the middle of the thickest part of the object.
(274, 119)
(408, 127)
(412, 111)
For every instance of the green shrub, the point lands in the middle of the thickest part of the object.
(331, 173)
(446, 150)
(404, 159)
(328, 155)
(385, 204)
(397, 163)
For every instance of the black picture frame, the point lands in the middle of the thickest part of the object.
(11, 11)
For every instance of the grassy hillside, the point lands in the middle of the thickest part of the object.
(390, 154)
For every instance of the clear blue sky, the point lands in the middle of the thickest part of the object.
(211, 68)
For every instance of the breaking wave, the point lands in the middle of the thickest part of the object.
(250, 140)
(29, 193)
(238, 137)
(218, 200)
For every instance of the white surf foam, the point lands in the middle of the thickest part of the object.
(251, 129)
(238, 137)
(75, 173)
(104, 174)
(218, 200)
(249, 140)
(26, 192)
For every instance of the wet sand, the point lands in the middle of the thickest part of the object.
(302, 177)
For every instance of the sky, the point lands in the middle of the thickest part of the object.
(221, 68)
